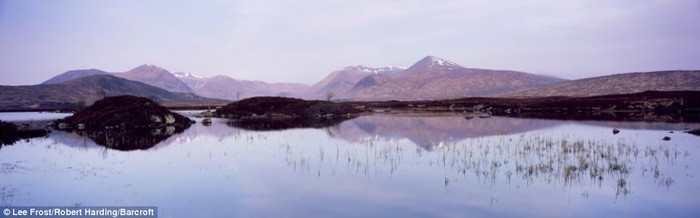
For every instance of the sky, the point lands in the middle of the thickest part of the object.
(303, 40)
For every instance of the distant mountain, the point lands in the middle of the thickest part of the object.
(430, 78)
(156, 76)
(618, 84)
(436, 78)
(431, 66)
(223, 87)
(74, 74)
(88, 90)
(191, 80)
(341, 81)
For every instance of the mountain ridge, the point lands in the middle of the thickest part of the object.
(73, 74)
(625, 83)
(343, 80)
(85, 91)
(437, 78)
(156, 76)
(225, 87)
(429, 78)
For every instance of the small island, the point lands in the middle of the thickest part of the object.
(123, 112)
(282, 107)
(125, 123)
(11, 133)
(274, 113)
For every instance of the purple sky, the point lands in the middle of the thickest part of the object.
(302, 41)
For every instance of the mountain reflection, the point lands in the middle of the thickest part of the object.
(566, 156)
(430, 132)
(466, 156)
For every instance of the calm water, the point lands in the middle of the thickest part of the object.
(31, 116)
(374, 166)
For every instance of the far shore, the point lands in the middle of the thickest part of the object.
(672, 106)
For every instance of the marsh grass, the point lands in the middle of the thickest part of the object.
(562, 161)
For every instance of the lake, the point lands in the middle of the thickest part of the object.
(404, 165)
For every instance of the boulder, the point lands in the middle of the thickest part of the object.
(156, 119)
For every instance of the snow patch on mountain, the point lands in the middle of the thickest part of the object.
(441, 62)
(374, 70)
(187, 75)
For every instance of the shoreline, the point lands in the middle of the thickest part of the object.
(673, 106)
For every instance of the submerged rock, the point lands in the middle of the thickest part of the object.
(694, 132)
(616, 131)
(206, 122)
(484, 116)
(63, 126)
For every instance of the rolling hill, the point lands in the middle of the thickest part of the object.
(86, 90)
(617, 84)
(74, 74)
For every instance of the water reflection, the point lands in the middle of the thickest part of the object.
(638, 116)
(501, 152)
(430, 132)
(491, 150)
(271, 124)
(390, 166)
(131, 139)
(438, 130)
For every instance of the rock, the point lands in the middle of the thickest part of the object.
(156, 132)
(484, 116)
(63, 126)
(616, 131)
(170, 130)
(206, 122)
(694, 132)
(667, 138)
(156, 119)
(169, 119)
(81, 126)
